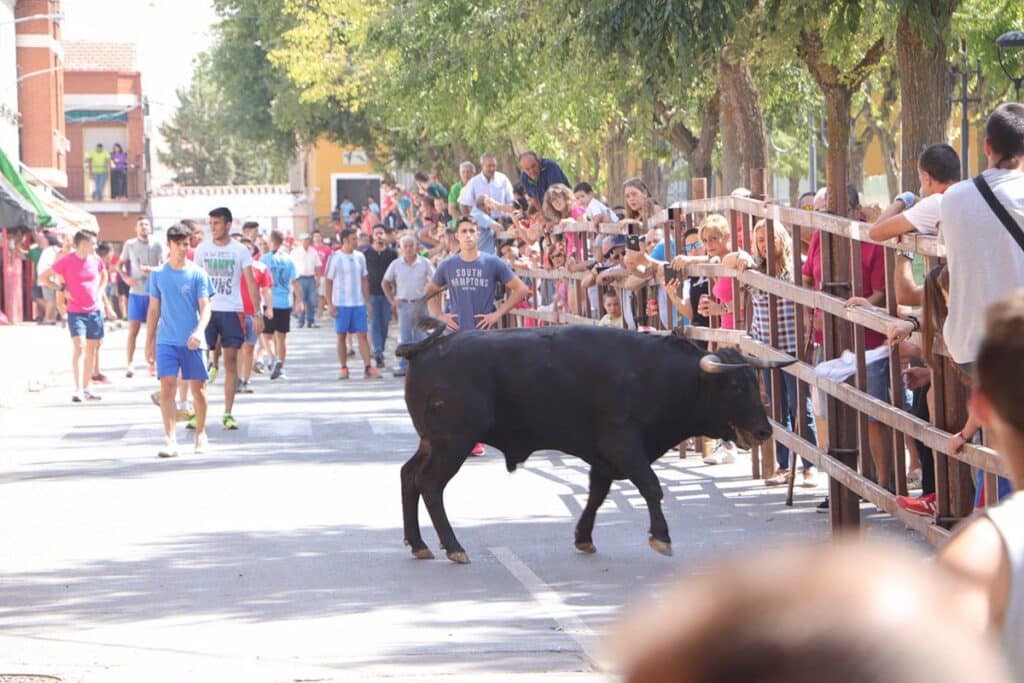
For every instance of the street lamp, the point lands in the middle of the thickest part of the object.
(1011, 40)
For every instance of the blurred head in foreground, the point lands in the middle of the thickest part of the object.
(842, 613)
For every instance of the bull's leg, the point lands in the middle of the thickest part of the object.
(411, 503)
(650, 488)
(599, 486)
(443, 464)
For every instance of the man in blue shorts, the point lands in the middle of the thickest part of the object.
(348, 290)
(229, 265)
(139, 257)
(285, 292)
(178, 315)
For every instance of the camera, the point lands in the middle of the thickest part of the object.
(633, 242)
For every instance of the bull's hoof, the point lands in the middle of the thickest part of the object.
(586, 547)
(661, 547)
(422, 554)
(459, 557)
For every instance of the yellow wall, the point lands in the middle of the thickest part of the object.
(327, 157)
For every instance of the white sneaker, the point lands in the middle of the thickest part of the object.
(170, 449)
(202, 442)
(91, 395)
(724, 453)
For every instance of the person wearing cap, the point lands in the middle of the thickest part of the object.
(176, 320)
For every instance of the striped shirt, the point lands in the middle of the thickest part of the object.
(347, 272)
(760, 327)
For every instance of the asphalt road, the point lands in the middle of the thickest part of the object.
(278, 556)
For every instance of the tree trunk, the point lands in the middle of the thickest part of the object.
(794, 187)
(617, 156)
(732, 173)
(696, 149)
(742, 99)
(924, 85)
(650, 173)
(858, 150)
(837, 133)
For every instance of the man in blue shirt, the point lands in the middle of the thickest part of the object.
(537, 175)
(284, 292)
(345, 210)
(179, 311)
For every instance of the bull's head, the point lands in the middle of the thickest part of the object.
(737, 411)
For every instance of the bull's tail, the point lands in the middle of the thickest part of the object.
(425, 322)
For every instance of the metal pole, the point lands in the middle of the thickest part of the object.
(965, 134)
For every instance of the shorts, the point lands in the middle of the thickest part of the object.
(250, 331)
(878, 385)
(138, 307)
(350, 319)
(171, 359)
(88, 325)
(281, 322)
(49, 294)
(123, 288)
(37, 291)
(228, 327)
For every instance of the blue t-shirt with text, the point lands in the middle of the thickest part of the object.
(472, 285)
(179, 292)
(282, 269)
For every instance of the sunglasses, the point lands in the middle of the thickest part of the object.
(558, 256)
(616, 255)
(691, 247)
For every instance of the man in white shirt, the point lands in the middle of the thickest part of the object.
(307, 260)
(938, 169)
(404, 284)
(489, 182)
(985, 262)
(348, 290)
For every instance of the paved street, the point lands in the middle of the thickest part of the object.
(278, 556)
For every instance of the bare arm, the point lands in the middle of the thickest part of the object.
(389, 290)
(205, 312)
(976, 554)
(297, 296)
(908, 292)
(517, 291)
(152, 320)
(250, 282)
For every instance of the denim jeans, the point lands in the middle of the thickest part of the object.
(408, 332)
(379, 322)
(99, 183)
(789, 407)
(310, 299)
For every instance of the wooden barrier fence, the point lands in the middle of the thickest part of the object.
(840, 453)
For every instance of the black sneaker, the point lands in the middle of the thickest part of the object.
(400, 372)
(823, 506)
(246, 389)
(278, 370)
(380, 360)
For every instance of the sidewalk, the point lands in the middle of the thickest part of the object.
(33, 357)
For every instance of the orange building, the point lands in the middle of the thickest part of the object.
(103, 104)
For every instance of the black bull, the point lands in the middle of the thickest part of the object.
(616, 399)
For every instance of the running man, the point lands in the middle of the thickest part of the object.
(85, 286)
(285, 291)
(139, 257)
(348, 289)
(178, 315)
(229, 265)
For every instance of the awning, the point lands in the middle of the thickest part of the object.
(65, 217)
(15, 210)
(14, 178)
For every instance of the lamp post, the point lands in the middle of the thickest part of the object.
(963, 72)
(1011, 40)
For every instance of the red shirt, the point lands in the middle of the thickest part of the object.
(325, 256)
(872, 264)
(261, 274)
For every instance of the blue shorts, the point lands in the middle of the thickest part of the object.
(250, 331)
(228, 327)
(878, 385)
(88, 325)
(172, 359)
(138, 307)
(350, 319)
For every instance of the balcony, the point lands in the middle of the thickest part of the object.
(130, 198)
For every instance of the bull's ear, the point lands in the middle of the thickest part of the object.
(767, 364)
(712, 364)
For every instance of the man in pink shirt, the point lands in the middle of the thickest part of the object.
(84, 284)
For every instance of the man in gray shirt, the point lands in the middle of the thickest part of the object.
(139, 257)
(404, 283)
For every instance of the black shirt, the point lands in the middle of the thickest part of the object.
(377, 263)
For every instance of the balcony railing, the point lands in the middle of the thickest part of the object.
(82, 185)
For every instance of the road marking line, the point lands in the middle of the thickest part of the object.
(548, 599)
(286, 427)
(392, 425)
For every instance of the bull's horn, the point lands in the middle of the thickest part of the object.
(767, 364)
(712, 364)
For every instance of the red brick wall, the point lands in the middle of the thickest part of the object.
(116, 227)
(40, 97)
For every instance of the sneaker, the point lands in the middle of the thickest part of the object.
(343, 373)
(211, 370)
(77, 397)
(810, 478)
(278, 370)
(155, 398)
(477, 449)
(202, 442)
(246, 389)
(257, 367)
(229, 421)
(91, 396)
(129, 373)
(723, 454)
(923, 505)
(193, 421)
(823, 506)
(238, 385)
(170, 449)
(372, 373)
(781, 478)
(400, 372)
(379, 360)
(101, 379)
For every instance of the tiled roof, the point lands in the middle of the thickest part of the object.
(81, 55)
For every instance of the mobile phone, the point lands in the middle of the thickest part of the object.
(633, 242)
(673, 274)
